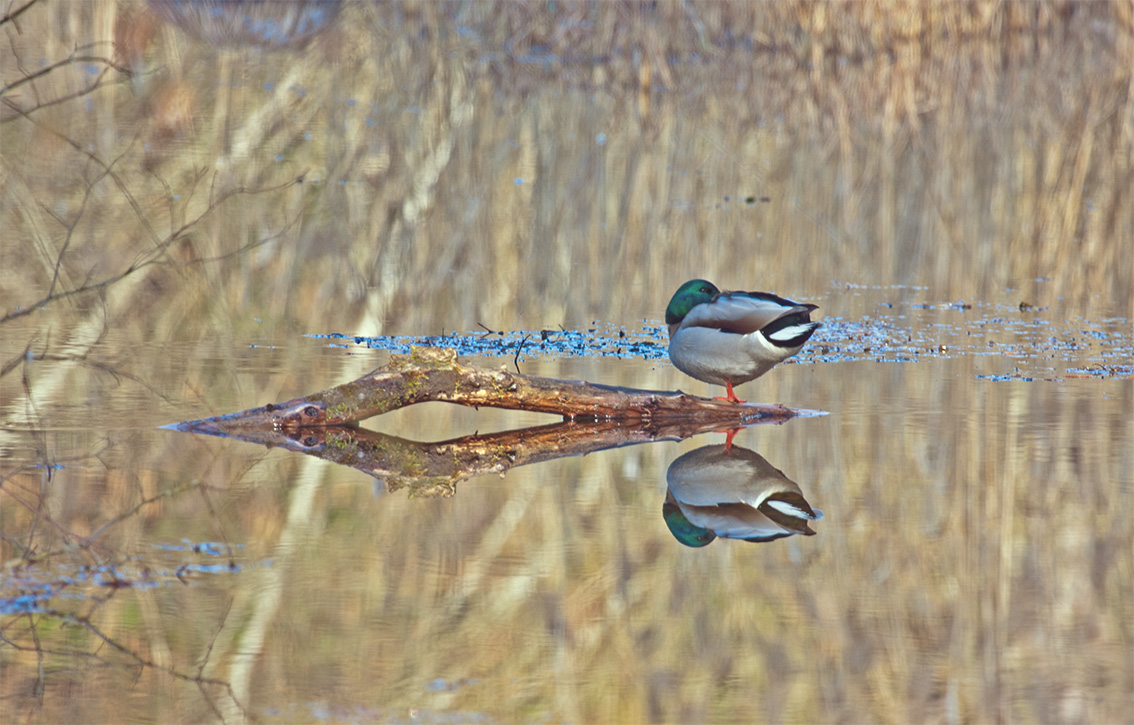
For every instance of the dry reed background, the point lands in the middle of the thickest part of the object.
(963, 147)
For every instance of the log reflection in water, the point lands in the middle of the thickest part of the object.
(435, 469)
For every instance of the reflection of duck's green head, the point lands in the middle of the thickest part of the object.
(682, 530)
(689, 295)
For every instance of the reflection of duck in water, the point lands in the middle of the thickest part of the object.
(733, 494)
(728, 338)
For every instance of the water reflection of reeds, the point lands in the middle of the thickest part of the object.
(498, 163)
(962, 148)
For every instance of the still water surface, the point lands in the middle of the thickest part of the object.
(970, 545)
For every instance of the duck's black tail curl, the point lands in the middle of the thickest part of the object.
(791, 330)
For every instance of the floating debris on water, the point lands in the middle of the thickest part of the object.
(923, 331)
(44, 588)
(649, 343)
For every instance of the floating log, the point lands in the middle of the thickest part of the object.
(435, 374)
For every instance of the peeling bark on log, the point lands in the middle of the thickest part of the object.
(435, 374)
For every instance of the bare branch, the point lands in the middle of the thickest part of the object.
(153, 257)
(60, 64)
(13, 14)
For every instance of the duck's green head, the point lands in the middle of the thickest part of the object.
(688, 296)
(684, 530)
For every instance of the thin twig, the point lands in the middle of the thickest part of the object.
(161, 246)
(66, 61)
(16, 13)
(519, 349)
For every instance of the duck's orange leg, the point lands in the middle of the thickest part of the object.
(729, 435)
(731, 396)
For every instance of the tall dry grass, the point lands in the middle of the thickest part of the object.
(960, 146)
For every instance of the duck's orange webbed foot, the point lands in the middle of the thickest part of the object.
(731, 396)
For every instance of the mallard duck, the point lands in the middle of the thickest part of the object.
(734, 494)
(729, 338)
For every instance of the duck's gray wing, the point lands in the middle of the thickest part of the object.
(744, 312)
